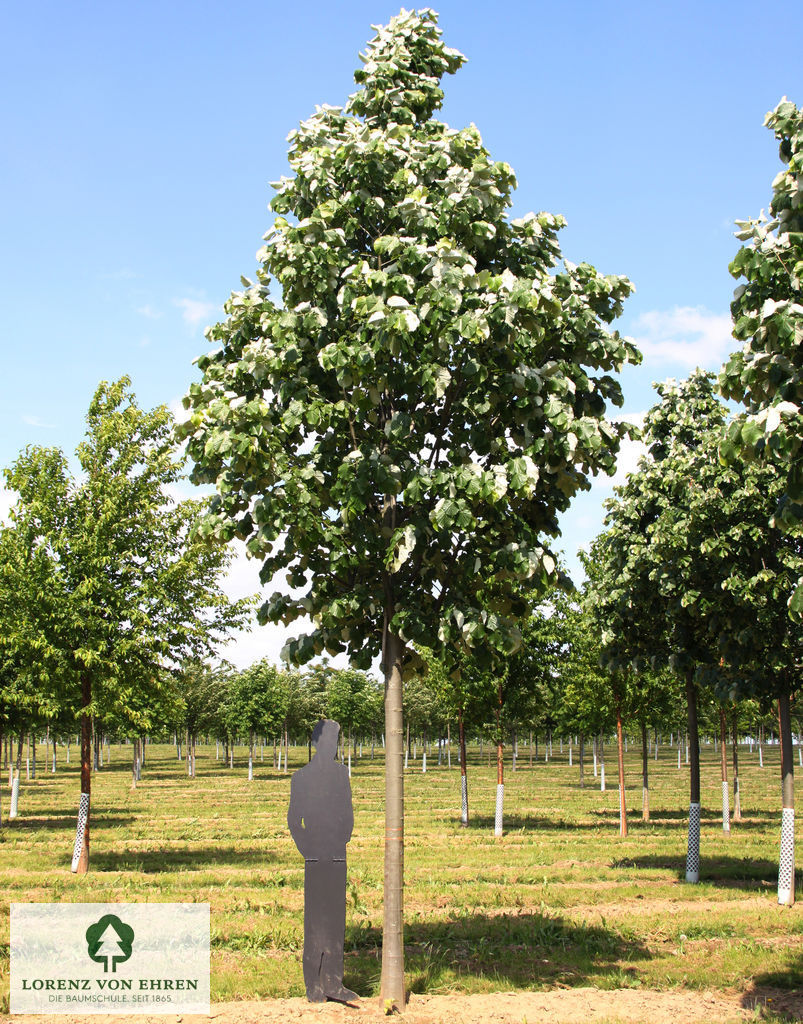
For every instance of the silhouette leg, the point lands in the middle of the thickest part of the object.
(324, 930)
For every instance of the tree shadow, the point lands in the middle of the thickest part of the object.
(199, 858)
(778, 992)
(57, 818)
(727, 872)
(523, 950)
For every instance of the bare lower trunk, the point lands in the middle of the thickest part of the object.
(693, 749)
(622, 794)
(645, 774)
(737, 800)
(463, 774)
(582, 761)
(786, 868)
(80, 857)
(500, 771)
(723, 760)
(392, 981)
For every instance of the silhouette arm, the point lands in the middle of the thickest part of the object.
(295, 821)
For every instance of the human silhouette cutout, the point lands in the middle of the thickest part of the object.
(321, 820)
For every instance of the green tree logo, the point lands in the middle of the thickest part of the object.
(109, 942)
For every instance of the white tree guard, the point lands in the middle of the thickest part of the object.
(693, 850)
(15, 797)
(786, 867)
(602, 777)
(424, 760)
(500, 802)
(570, 755)
(726, 811)
(463, 800)
(678, 757)
(250, 768)
(80, 832)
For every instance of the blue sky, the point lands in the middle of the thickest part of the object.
(139, 140)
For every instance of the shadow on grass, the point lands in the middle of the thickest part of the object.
(199, 858)
(728, 872)
(604, 817)
(58, 818)
(778, 992)
(524, 950)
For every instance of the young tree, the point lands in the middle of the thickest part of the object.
(131, 591)
(425, 400)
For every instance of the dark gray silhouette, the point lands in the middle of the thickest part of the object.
(321, 820)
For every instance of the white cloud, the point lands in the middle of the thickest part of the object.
(627, 460)
(195, 311)
(180, 414)
(688, 335)
(246, 647)
(35, 421)
(149, 312)
(7, 500)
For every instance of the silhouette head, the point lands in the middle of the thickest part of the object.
(324, 737)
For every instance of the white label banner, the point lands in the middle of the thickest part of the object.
(109, 958)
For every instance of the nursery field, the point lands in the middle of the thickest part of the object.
(560, 903)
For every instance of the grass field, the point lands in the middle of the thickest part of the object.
(561, 900)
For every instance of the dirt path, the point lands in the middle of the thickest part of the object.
(567, 1006)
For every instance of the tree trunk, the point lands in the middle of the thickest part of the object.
(250, 755)
(463, 775)
(786, 867)
(80, 856)
(392, 981)
(33, 754)
(645, 773)
(723, 760)
(15, 785)
(500, 770)
(582, 761)
(622, 793)
(693, 846)
(737, 800)
(601, 763)
(285, 759)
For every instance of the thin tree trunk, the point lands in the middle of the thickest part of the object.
(786, 867)
(392, 979)
(723, 759)
(693, 845)
(737, 799)
(15, 784)
(645, 773)
(500, 770)
(582, 761)
(250, 755)
(601, 763)
(80, 857)
(463, 774)
(622, 793)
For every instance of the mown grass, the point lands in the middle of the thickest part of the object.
(560, 900)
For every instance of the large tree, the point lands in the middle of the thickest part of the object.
(425, 399)
(130, 591)
(767, 372)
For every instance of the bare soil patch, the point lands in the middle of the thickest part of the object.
(565, 1006)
